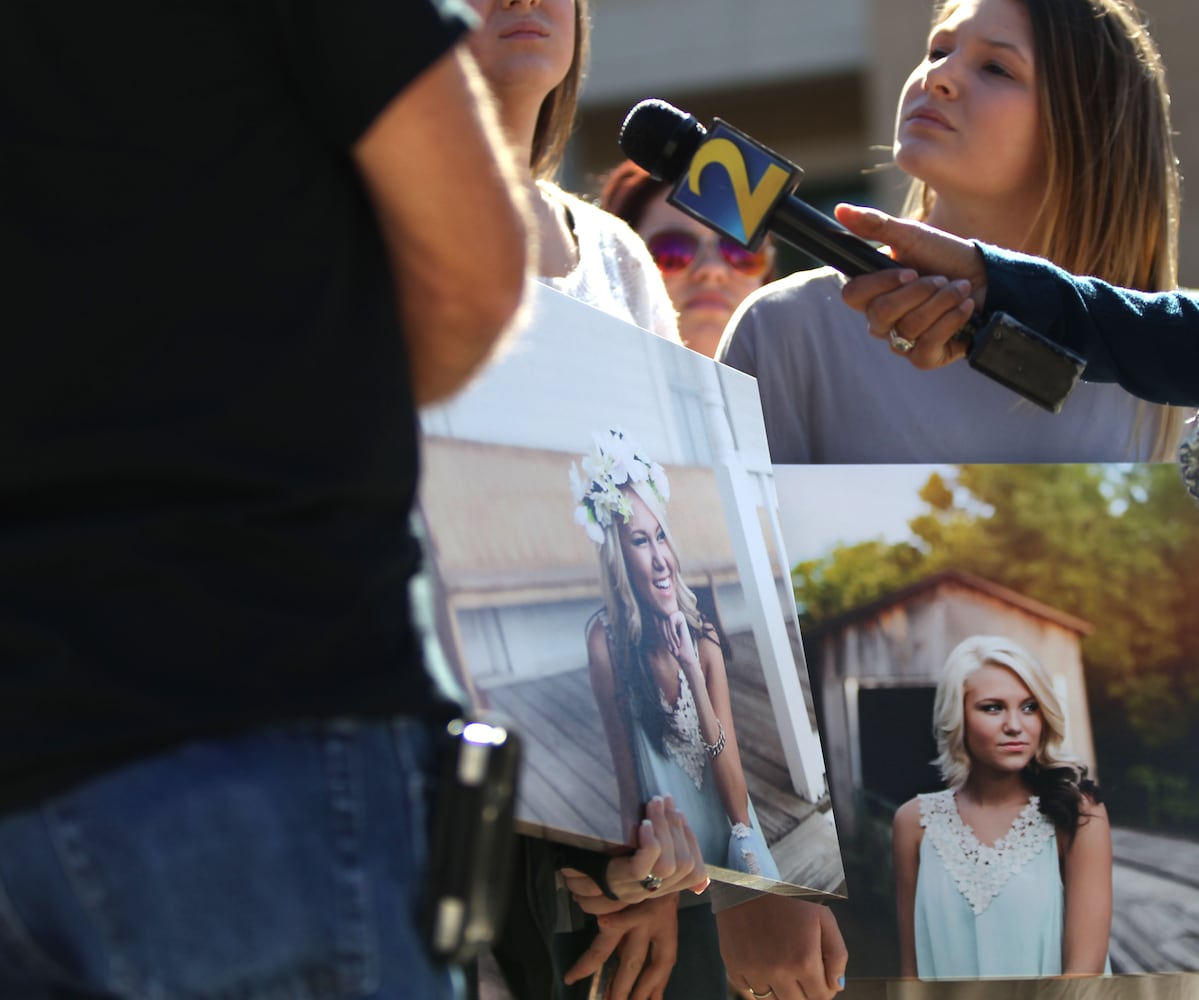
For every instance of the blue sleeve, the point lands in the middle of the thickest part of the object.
(1148, 343)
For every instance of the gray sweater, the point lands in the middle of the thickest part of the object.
(831, 393)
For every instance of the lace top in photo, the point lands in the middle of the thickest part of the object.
(682, 737)
(980, 871)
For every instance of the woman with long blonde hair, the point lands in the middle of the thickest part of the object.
(657, 666)
(1111, 202)
(1037, 125)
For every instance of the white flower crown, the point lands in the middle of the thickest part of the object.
(613, 463)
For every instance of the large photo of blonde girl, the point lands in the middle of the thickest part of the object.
(604, 544)
(657, 664)
(1005, 660)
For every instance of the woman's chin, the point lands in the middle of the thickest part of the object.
(702, 336)
(662, 609)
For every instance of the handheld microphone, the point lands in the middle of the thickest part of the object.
(743, 189)
(665, 141)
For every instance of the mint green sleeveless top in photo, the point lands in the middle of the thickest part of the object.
(987, 910)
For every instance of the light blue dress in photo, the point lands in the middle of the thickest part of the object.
(684, 772)
(987, 910)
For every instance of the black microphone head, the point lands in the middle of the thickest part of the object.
(660, 138)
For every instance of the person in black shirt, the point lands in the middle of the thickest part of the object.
(232, 236)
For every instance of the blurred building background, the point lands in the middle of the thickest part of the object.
(815, 80)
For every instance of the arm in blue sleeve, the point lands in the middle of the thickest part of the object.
(1148, 343)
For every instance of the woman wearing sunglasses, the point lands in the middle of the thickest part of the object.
(706, 275)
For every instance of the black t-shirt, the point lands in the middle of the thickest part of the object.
(207, 435)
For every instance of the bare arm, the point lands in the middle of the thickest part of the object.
(603, 685)
(906, 834)
(442, 183)
(726, 765)
(666, 845)
(1087, 874)
(703, 666)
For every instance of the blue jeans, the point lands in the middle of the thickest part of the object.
(284, 862)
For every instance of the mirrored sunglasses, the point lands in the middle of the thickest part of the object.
(674, 250)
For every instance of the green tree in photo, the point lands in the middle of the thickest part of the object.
(1117, 546)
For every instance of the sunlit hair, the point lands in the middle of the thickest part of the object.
(556, 119)
(627, 617)
(953, 759)
(1111, 202)
(628, 191)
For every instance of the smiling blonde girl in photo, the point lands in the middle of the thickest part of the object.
(656, 664)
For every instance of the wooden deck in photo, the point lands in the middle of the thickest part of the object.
(566, 747)
(1155, 896)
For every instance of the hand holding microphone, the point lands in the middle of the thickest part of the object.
(742, 189)
(936, 307)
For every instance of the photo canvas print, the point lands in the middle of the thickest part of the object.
(1089, 570)
(605, 547)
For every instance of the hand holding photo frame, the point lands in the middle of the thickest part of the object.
(605, 540)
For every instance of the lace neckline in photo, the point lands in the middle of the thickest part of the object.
(980, 871)
(681, 735)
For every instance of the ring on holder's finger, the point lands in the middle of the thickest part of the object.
(762, 996)
(898, 343)
(651, 883)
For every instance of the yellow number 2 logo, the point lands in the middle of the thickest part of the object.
(752, 203)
